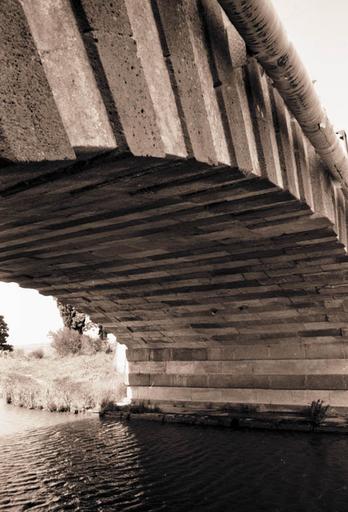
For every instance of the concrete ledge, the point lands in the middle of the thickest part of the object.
(271, 421)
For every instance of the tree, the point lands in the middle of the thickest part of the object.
(76, 321)
(74, 338)
(4, 335)
(72, 318)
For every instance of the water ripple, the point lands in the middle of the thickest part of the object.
(90, 465)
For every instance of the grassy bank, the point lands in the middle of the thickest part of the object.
(63, 384)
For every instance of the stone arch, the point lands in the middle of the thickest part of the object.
(160, 184)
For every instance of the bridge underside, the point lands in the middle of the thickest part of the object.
(165, 189)
(225, 288)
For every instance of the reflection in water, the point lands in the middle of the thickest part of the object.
(15, 419)
(90, 465)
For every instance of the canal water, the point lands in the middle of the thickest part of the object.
(51, 462)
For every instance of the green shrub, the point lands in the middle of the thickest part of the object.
(66, 341)
(52, 406)
(37, 354)
(91, 345)
(317, 412)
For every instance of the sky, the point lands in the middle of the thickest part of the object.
(29, 315)
(318, 29)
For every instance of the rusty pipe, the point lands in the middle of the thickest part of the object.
(258, 23)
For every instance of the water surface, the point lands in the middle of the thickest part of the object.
(93, 465)
(18, 419)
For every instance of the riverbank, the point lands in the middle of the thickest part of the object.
(60, 384)
(314, 418)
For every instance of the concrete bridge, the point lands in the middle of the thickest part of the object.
(152, 176)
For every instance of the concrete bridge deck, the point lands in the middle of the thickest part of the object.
(152, 176)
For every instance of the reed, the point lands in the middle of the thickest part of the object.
(68, 384)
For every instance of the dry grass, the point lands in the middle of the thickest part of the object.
(72, 383)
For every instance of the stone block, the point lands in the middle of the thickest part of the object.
(31, 128)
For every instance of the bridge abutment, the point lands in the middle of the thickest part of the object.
(279, 376)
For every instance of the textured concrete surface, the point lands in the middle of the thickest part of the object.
(209, 238)
(69, 74)
(30, 126)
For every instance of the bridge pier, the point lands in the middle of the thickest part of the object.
(279, 377)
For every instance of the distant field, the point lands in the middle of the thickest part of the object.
(71, 383)
(46, 347)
